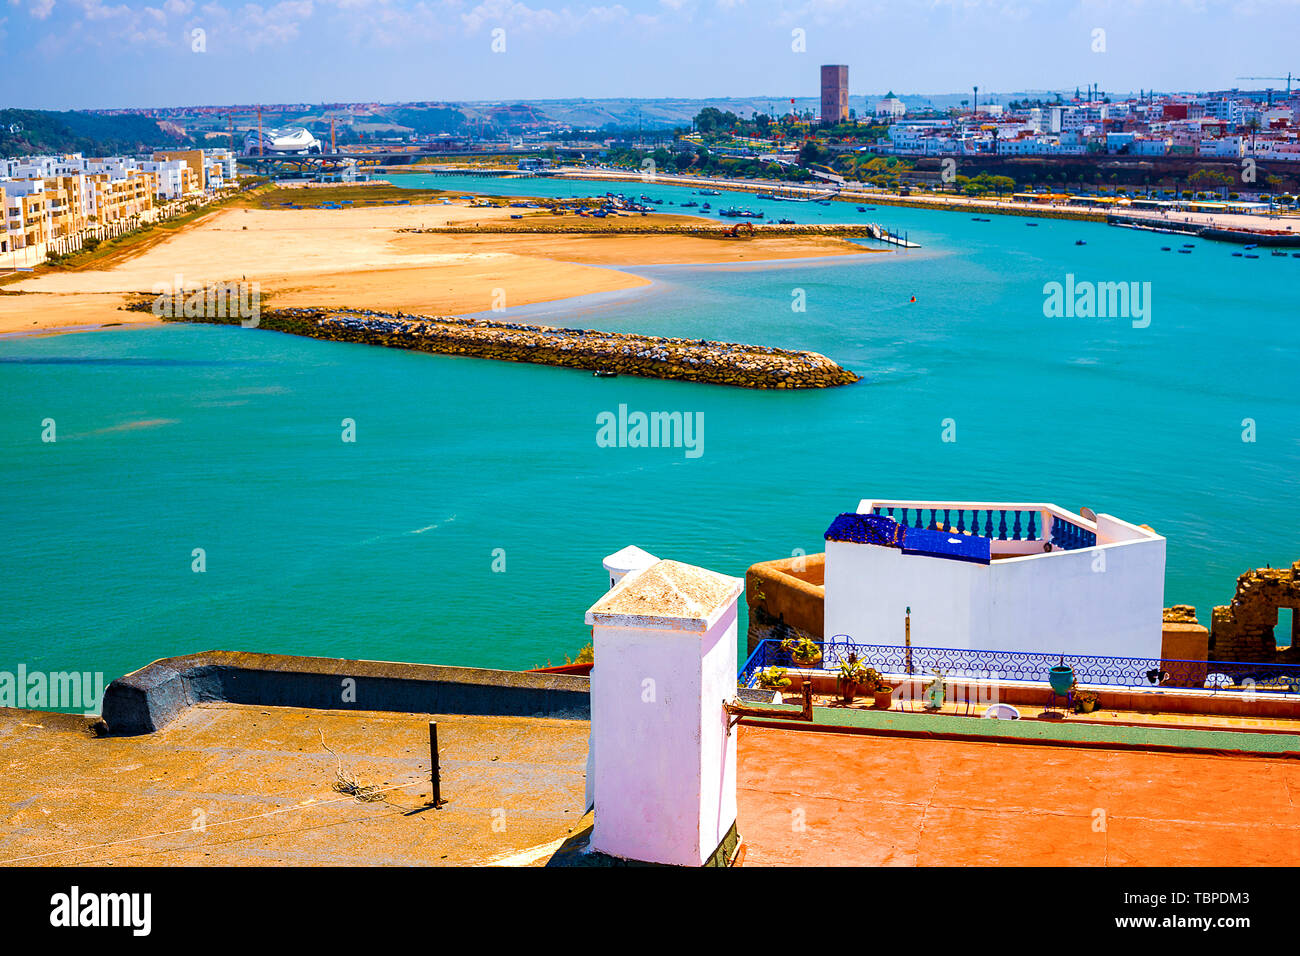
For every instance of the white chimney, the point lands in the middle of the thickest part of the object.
(624, 562)
(665, 764)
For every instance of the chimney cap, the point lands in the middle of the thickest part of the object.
(629, 559)
(668, 595)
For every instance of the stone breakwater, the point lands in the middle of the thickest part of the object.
(691, 360)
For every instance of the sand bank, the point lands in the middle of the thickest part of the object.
(358, 258)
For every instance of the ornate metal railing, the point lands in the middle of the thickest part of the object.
(957, 663)
(997, 522)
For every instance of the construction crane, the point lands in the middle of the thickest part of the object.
(1288, 79)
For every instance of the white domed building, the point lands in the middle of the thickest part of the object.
(891, 107)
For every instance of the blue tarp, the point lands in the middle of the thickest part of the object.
(864, 529)
(943, 544)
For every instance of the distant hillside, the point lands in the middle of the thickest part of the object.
(42, 131)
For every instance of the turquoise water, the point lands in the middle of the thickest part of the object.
(226, 439)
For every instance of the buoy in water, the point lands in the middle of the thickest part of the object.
(913, 298)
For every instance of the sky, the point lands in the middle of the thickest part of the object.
(94, 54)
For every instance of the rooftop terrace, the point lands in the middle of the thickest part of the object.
(250, 785)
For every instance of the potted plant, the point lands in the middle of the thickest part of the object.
(1061, 677)
(882, 691)
(853, 679)
(803, 651)
(773, 678)
(1085, 702)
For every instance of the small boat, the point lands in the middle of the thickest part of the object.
(1238, 254)
(1164, 249)
(1031, 224)
(1295, 255)
(710, 192)
(862, 209)
(1185, 252)
(1079, 242)
(785, 222)
(1251, 255)
(1279, 252)
(764, 196)
(604, 373)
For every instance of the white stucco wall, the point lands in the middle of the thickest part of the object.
(664, 764)
(1106, 600)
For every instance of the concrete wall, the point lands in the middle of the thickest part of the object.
(1106, 600)
(153, 696)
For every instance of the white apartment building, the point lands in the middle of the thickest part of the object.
(50, 204)
(170, 176)
(1284, 149)
(1226, 147)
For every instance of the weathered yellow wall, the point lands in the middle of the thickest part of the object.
(786, 598)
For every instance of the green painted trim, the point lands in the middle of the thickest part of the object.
(1030, 731)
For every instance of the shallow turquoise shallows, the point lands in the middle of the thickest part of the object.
(178, 438)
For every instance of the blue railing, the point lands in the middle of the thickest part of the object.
(1119, 672)
(998, 524)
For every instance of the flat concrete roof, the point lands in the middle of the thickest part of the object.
(236, 784)
(810, 798)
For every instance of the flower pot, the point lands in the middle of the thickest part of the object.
(1061, 677)
(884, 698)
(1086, 706)
(808, 661)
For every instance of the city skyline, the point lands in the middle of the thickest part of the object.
(392, 51)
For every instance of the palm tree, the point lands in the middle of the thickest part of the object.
(1252, 125)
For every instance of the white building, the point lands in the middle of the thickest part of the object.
(994, 576)
(170, 176)
(287, 141)
(1232, 147)
(890, 106)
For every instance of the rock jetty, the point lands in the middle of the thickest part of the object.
(648, 356)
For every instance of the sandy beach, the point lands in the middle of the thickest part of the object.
(358, 258)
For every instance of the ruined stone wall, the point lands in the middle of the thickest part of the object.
(1243, 630)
